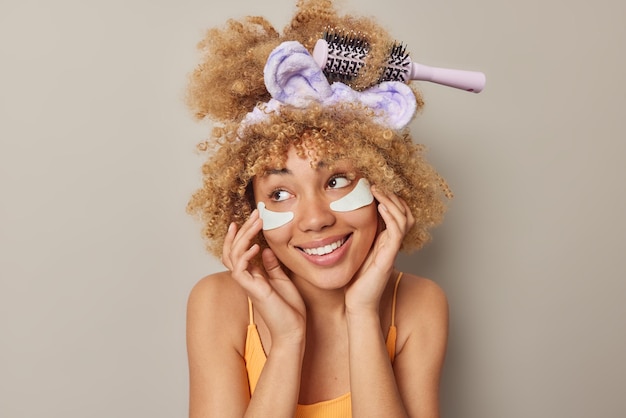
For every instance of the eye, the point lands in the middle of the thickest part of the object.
(339, 181)
(279, 195)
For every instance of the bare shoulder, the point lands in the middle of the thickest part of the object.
(422, 309)
(215, 290)
(217, 306)
(422, 324)
(217, 319)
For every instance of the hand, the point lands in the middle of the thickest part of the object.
(366, 289)
(270, 289)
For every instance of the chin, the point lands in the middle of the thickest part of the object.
(326, 279)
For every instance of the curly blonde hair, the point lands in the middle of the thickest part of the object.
(228, 83)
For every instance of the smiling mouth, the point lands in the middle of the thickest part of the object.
(325, 249)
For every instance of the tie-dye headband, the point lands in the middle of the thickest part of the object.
(292, 77)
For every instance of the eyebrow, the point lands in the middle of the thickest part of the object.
(279, 171)
(285, 171)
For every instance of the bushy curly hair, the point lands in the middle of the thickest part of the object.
(228, 83)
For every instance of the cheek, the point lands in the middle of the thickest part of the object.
(366, 220)
(276, 238)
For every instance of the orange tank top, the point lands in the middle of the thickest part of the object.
(340, 407)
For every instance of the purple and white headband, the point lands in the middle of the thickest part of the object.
(293, 77)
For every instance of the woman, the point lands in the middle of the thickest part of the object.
(307, 197)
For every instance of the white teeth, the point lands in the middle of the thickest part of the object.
(326, 249)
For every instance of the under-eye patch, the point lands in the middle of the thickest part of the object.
(273, 220)
(359, 197)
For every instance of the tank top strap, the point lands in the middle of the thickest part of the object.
(250, 312)
(393, 302)
(392, 334)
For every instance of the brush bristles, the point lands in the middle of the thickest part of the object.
(346, 56)
(398, 64)
(347, 53)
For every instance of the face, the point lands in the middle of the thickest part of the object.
(321, 246)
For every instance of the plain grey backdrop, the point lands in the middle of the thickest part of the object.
(97, 161)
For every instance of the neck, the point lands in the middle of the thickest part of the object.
(321, 303)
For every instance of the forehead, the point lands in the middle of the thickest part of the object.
(298, 158)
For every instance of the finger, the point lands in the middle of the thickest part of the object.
(403, 216)
(242, 262)
(390, 200)
(250, 277)
(228, 242)
(410, 218)
(390, 223)
(249, 228)
(278, 279)
(233, 235)
(272, 265)
(244, 237)
(396, 208)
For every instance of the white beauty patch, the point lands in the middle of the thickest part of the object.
(359, 197)
(273, 220)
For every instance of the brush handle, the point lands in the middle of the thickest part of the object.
(473, 81)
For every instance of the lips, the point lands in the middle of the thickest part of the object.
(325, 248)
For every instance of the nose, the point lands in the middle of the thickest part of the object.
(314, 213)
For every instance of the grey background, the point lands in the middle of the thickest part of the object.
(97, 160)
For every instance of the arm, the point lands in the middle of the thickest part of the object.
(423, 317)
(279, 303)
(276, 394)
(372, 381)
(218, 385)
(215, 344)
(412, 387)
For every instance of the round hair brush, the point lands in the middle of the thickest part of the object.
(341, 57)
